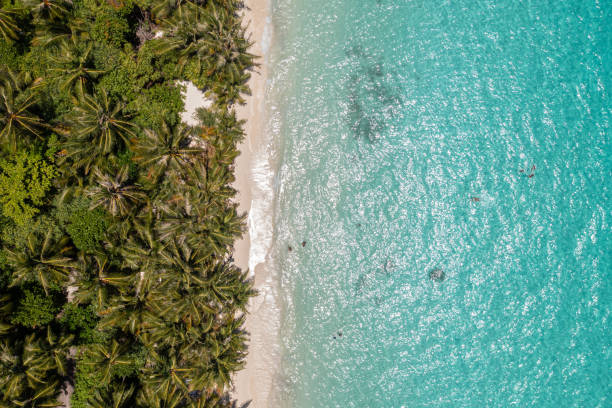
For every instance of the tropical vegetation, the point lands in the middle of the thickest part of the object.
(117, 281)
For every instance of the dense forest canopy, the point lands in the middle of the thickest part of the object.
(117, 220)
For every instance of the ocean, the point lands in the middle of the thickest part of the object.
(442, 213)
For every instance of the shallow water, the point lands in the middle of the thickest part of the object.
(470, 136)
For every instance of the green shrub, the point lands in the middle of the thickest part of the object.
(25, 180)
(86, 227)
(110, 28)
(86, 381)
(35, 309)
(36, 61)
(137, 360)
(152, 66)
(162, 102)
(8, 55)
(124, 158)
(16, 236)
(82, 321)
(121, 82)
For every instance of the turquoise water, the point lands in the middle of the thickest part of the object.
(471, 136)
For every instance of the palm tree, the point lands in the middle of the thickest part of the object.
(16, 120)
(228, 349)
(47, 9)
(75, 65)
(213, 38)
(135, 313)
(105, 281)
(97, 127)
(180, 260)
(164, 8)
(167, 375)
(152, 395)
(168, 148)
(54, 31)
(8, 27)
(200, 214)
(7, 305)
(31, 369)
(221, 128)
(47, 262)
(193, 307)
(142, 249)
(104, 358)
(229, 287)
(115, 194)
(117, 396)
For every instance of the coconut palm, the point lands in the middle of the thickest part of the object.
(103, 282)
(74, 66)
(228, 350)
(7, 305)
(17, 122)
(47, 9)
(135, 313)
(183, 263)
(97, 128)
(151, 395)
(8, 27)
(164, 8)
(167, 148)
(167, 374)
(31, 369)
(228, 286)
(53, 32)
(104, 358)
(115, 194)
(200, 215)
(47, 262)
(192, 307)
(142, 249)
(160, 283)
(117, 396)
(212, 40)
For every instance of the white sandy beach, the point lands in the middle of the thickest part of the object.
(254, 184)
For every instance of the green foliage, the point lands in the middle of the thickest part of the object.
(143, 218)
(86, 381)
(25, 180)
(86, 227)
(121, 81)
(137, 360)
(16, 236)
(8, 54)
(35, 308)
(159, 104)
(154, 66)
(36, 61)
(82, 321)
(124, 159)
(110, 27)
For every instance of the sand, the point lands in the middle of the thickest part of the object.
(254, 383)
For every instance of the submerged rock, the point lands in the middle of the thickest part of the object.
(437, 275)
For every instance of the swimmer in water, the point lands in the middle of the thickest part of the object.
(475, 199)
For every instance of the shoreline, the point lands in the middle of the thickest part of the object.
(253, 182)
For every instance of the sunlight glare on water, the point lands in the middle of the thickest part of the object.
(463, 138)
